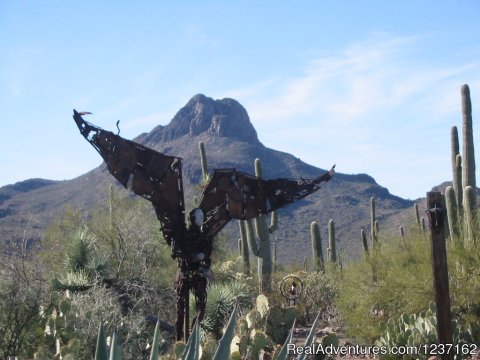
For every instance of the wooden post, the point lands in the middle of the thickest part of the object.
(436, 216)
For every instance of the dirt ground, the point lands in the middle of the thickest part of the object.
(300, 334)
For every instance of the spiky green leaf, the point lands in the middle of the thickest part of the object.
(223, 348)
(101, 352)
(283, 354)
(310, 338)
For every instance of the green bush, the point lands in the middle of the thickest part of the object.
(405, 285)
(23, 294)
(220, 301)
(77, 328)
(319, 294)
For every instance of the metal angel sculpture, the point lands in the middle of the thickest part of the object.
(228, 194)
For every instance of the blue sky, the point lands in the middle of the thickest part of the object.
(372, 86)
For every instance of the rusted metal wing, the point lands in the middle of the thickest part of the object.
(154, 176)
(234, 194)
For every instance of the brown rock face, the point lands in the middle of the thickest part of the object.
(222, 118)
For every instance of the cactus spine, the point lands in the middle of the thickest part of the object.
(468, 155)
(317, 259)
(332, 248)
(263, 250)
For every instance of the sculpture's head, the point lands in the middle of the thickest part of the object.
(197, 217)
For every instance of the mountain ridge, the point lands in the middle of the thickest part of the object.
(231, 141)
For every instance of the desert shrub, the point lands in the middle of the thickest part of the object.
(118, 245)
(23, 294)
(77, 325)
(404, 284)
(319, 295)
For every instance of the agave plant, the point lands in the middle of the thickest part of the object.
(221, 299)
(82, 264)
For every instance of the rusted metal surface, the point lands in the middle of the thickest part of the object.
(234, 194)
(228, 194)
(152, 175)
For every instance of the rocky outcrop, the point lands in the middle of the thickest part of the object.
(221, 118)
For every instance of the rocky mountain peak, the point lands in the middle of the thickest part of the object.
(201, 114)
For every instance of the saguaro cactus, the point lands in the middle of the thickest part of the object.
(317, 253)
(332, 248)
(244, 251)
(446, 221)
(459, 171)
(365, 243)
(452, 213)
(456, 166)
(203, 161)
(469, 198)
(468, 153)
(417, 214)
(464, 182)
(373, 226)
(111, 206)
(274, 256)
(374, 238)
(263, 250)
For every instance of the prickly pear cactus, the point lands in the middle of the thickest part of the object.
(243, 327)
(178, 349)
(260, 342)
(330, 340)
(279, 322)
(243, 345)
(262, 305)
(253, 319)
(420, 329)
(235, 356)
